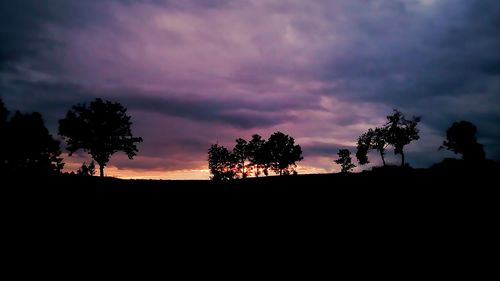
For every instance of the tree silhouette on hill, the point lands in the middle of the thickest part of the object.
(345, 160)
(257, 156)
(373, 139)
(222, 163)
(397, 132)
(401, 132)
(27, 148)
(4, 114)
(240, 153)
(102, 128)
(279, 154)
(283, 153)
(461, 139)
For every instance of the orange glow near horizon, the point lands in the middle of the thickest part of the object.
(187, 174)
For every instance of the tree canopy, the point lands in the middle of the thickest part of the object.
(279, 154)
(27, 146)
(345, 160)
(401, 132)
(397, 132)
(102, 129)
(372, 139)
(257, 155)
(461, 139)
(221, 163)
(283, 153)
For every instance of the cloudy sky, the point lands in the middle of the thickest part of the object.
(192, 73)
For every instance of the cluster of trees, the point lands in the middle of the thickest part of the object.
(400, 131)
(26, 146)
(397, 132)
(279, 154)
(102, 128)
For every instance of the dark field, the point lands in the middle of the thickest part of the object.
(416, 213)
(408, 189)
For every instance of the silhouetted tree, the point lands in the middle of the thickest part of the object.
(28, 147)
(363, 147)
(87, 170)
(4, 114)
(102, 128)
(400, 132)
(345, 160)
(373, 139)
(221, 163)
(283, 153)
(257, 155)
(240, 153)
(461, 138)
(379, 142)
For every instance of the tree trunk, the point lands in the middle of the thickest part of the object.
(402, 159)
(101, 170)
(382, 156)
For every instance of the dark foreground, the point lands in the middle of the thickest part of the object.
(426, 216)
(392, 189)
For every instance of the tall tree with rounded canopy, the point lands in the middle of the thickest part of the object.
(461, 138)
(400, 132)
(257, 155)
(240, 152)
(283, 153)
(102, 129)
(345, 161)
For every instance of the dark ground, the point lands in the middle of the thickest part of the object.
(415, 221)
(412, 190)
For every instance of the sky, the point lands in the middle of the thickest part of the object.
(193, 73)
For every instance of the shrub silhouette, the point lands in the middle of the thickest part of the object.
(87, 170)
(461, 139)
(102, 128)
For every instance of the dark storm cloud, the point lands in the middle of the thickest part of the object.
(231, 112)
(324, 149)
(54, 99)
(22, 23)
(436, 63)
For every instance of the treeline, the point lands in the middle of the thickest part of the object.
(400, 131)
(101, 129)
(256, 156)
